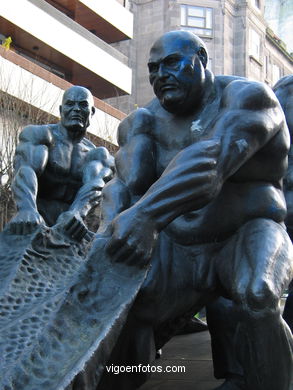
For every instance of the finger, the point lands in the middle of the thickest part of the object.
(96, 196)
(74, 227)
(12, 228)
(108, 174)
(80, 233)
(77, 230)
(70, 223)
(32, 252)
(212, 143)
(31, 226)
(197, 165)
(27, 229)
(89, 236)
(123, 254)
(138, 259)
(113, 246)
(210, 150)
(94, 203)
(18, 228)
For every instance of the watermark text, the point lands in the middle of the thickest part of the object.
(115, 369)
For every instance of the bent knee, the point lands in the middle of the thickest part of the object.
(262, 295)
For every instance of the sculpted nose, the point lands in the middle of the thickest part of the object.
(162, 72)
(76, 107)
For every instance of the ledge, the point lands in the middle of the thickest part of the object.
(55, 80)
(251, 57)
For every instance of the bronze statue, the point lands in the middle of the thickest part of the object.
(59, 175)
(58, 170)
(198, 195)
(195, 211)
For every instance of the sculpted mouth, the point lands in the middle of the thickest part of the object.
(168, 87)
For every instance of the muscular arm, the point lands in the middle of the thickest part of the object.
(30, 161)
(135, 166)
(251, 117)
(98, 169)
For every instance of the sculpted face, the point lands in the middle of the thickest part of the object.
(177, 71)
(76, 110)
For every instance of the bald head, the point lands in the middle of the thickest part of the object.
(79, 92)
(184, 42)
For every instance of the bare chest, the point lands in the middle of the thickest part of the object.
(66, 161)
(174, 135)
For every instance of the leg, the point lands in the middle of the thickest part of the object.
(288, 310)
(222, 321)
(166, 297)
(135, 348)
(254, 267)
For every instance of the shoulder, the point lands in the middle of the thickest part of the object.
(250, 95)
(284, 91)
(223, 81)
(284, 84)
(138, 122)
(37, 135)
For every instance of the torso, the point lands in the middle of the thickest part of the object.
(253, 191)
(62, 177)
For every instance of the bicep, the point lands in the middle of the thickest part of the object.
(115, 199)
(246, 125)
(33, 148)
(134, 175)
(34, 156)
(135, 164)
(99, 165)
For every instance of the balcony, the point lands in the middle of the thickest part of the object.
(107, 19)
(52, 39)
(42, 90)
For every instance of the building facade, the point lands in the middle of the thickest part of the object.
(49, 45)
(238, 38)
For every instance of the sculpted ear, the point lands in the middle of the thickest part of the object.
(203, 56)
(93, 110)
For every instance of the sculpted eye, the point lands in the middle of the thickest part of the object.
(172, 62)
(153, 67)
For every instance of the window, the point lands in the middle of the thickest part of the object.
(256, 3)
(267, 69)
(197, 19)
(254, 44)
(276, 73)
